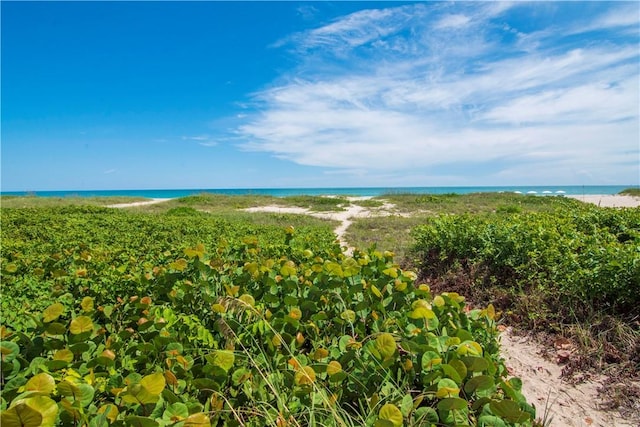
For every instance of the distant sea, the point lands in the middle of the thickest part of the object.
(569, 190)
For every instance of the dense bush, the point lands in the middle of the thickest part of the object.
(578, 260)
(128, 326)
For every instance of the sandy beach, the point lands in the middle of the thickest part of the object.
(610, 201)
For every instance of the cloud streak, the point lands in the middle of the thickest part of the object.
(406, 91)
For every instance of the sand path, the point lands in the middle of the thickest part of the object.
(564, 404)
(345, 217)
(134, 204)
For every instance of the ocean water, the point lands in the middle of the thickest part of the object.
(569, 190)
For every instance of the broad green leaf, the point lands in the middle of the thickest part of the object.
(407, 405)
(470, 348)
(447, 388)
(452, 373)
(478, 383)
(334, 269)
(452, 403)
(52, 312)
(154, 383)
(41, 383)
(350, 267)
(390, 412)
(175, 412)
(475, 363)
(491, 421)
(9, 351)
(137, 421)
(460, 367)
(222, 358)
(80, 325)
(386, 345)
(509, 411)
(137, 394)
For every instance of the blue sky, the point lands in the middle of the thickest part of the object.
(140, 95)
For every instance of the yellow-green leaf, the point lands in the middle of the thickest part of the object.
(392, 413)
(153, 383)
(306, 375)
(386, 345)
(80, 325)
(221, 358)
(391, 272)
(20, 415)
(110, 411)
(334, 367)
(376, 291)
(87, 304)
(197, 420)
(52, 312)
(422, 313)
(44, 406)
(41, 383)
(288, 269)
(247, 299)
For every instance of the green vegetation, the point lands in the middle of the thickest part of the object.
(35, 201)
(576, 268)
(633, 191)
(113, 317)
(393, 232)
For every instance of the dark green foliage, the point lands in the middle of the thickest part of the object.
(578, 260)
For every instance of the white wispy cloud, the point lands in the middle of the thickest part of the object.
(196, 138)
(413, 91)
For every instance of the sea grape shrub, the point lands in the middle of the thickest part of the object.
(579, 258)
(67, 253)
(236, 336)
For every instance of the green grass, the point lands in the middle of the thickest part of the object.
(40, 202)
(390, 233)
(472, 203)
(317, 203)
(632, 191)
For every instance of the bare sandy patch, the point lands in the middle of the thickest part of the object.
(565, 404)
(134, 204)
(610, 201)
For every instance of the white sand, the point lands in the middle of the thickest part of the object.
(568, 405)
(133, 204)
(610, 201)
